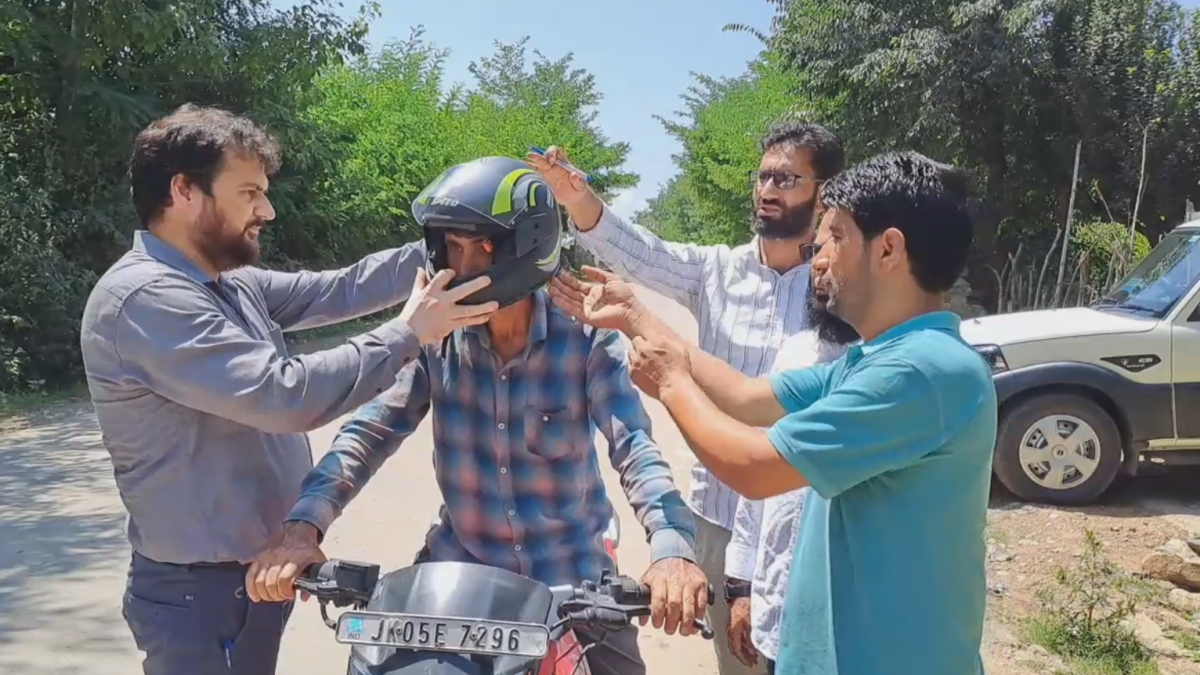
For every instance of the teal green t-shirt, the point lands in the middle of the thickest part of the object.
(896, 440)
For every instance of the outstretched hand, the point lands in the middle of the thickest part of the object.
(604, 300)
(658, 362)
(432, 310)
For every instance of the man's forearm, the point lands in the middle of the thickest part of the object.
(739, 455)
(586, 213)
(746, 399)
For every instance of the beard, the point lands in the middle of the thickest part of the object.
(791, 222)
(830, 328)
(225, 249)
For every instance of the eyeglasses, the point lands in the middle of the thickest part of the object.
(784, 180)
(808, 252)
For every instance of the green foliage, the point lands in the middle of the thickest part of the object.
(1004, 89)
(1083, 615)
(1105, 244)
(362, 134)
(720, 128)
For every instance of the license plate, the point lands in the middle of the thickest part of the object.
(443, 634)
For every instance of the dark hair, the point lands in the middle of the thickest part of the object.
(924, 199)
(828, 158)
(192, 141)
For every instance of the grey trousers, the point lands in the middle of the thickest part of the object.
(711, 541)
(197, 620)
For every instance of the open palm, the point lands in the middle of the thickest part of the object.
(604, 300)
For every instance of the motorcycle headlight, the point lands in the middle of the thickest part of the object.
(993, 356)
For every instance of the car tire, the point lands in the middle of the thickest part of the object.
(1019, 421)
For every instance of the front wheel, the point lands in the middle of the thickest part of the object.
(1057, 448)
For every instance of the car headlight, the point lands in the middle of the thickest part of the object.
(993, 356)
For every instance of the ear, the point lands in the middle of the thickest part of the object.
(183, 191)
(890, 250)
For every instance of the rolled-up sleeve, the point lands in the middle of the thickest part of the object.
(886, 416)
(617, 410)
(172, 337)
(672, 269)
(300, 300)
(362, 446)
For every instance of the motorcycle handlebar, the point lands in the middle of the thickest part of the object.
(610, 604)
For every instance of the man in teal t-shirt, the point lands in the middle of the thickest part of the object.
(895, 438)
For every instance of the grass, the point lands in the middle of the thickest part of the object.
(1082, 617)
(19, 405)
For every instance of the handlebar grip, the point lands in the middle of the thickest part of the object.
(641, 595)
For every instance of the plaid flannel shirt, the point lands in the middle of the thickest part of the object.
(513, 451)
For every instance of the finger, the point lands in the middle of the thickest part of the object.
(460, 292)
(568, 292)
(688, 611)
(674, 607)
(555, 154)
(304, 596)
(251, 589)
(271, 586)
(472, 311)
(598, 275)
(440, 280)
(658, 600)
(422, 280)
(257, 590)
(571, 283)
(639, 344)
(572, 308)
(287, 580)
(471, 321)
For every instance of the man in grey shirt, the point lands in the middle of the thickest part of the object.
(202, 409)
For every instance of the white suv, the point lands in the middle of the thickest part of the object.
(1087, 393)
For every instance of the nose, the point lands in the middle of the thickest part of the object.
(265, 211)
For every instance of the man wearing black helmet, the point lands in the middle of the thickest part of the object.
(517, 404)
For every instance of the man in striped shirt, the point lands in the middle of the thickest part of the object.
(746, 299)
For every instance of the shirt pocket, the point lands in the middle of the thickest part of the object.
(554, 434)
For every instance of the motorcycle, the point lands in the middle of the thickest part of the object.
(449, 618)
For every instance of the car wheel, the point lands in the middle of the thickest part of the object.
(1057, 449)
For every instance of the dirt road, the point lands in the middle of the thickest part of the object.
(63, 553)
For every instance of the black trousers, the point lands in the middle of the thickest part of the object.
(197, 620)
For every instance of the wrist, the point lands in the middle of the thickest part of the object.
(585, 211)
(736, 588)
(301, 532)
(673, 385)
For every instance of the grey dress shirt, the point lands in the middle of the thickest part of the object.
(200, 406)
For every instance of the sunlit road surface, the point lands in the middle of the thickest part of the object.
(63, 554)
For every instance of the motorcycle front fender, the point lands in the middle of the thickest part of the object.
(418, 663)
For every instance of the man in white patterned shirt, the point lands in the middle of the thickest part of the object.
(746, 299)
(759, 557)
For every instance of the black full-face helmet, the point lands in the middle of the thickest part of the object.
(505, 201)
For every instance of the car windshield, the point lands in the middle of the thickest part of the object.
(1157, 284)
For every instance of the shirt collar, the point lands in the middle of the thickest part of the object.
(538, 321)
(945, 321)
(167, 254)
(753, 251)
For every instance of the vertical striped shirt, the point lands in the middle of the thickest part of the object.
(744, 310)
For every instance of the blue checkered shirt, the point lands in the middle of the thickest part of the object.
(513, 451)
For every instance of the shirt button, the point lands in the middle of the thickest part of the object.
(512, 512)
(500, 426)
(504, 469)
(517, 548)
(503, 377)
(545, 418)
